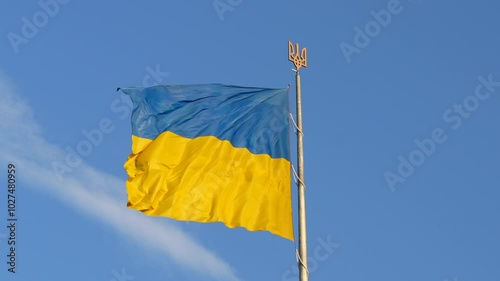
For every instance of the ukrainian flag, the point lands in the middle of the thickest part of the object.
(212, 153)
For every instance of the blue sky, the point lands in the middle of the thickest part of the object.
(400, 120)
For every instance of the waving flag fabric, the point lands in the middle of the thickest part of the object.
(212, 153)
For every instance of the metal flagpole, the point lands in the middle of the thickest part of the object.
(300, 60)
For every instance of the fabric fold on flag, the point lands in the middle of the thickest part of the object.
(212, 153)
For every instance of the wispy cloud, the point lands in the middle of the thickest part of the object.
(95, 193)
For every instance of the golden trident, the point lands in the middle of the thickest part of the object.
(298, 60)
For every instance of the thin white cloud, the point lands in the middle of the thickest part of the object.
(95, 193)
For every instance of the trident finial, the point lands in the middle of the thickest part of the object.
(298, 60)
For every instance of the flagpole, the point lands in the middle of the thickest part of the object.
(300, 60)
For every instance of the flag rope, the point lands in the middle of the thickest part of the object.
(296, 129)
(299, 260)
(296, 178)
